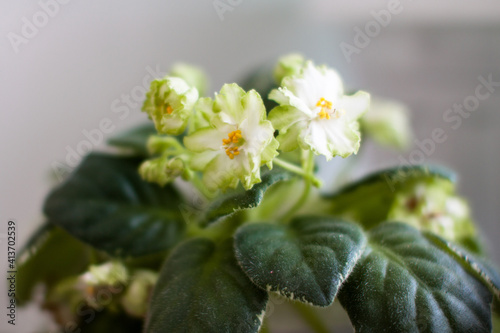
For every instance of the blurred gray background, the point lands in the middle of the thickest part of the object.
(62, 77)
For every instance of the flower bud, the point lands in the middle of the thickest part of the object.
(288, 65)
(169, 103)
(136, 298)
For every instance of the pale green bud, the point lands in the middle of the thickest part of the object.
(194, 76)
(288, 65)
(160, 144)
(387, 122)
(135, 301)
(169, 103)
(162, 170)
(110, 273)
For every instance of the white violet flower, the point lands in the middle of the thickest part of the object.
(169, 103)
(238, 141)
(315, 114)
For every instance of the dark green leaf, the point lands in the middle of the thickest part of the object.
(49, 258)
(134, 139)
(369, 200)
(238, 200)
(479, 267)
(106, 204)
(307, 261)
(404, 283)
(202, 289)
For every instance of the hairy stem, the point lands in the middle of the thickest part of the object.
(298, 170)
(308, 168)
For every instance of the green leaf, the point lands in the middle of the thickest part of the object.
(49, 258)
(106, 204)
(403, 282)
(202, 289)
(307, 261)
(135, 139)
(369, 200)
(479, 267)
(238, 200)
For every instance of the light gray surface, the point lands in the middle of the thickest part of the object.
(66, 78)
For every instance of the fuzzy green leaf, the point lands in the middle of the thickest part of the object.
(403, 282)
(307, 261)
(106, 204)
(135, 139)
(202, 289)
(240, 199)
(479, 267)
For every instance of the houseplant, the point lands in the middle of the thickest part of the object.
(212, 208)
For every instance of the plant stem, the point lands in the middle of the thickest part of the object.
(308, 167)
(297, 170)
(310, 316)
(201, 187)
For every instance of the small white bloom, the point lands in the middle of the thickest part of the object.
(315, 114)
(135, 301)
(238, 141)
(169, 103)
(109, 273)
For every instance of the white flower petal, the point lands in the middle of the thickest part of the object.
(205, 138)
(343, 140)
(200, 161)
(256, 137)
(354, 105)
(228, 102)
(223, 172)
(289, 139)
(283, 96)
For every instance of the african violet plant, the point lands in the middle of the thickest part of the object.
(205, 216)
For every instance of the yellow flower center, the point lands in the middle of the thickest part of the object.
(169, 109)
(231, 144)
(327, 110)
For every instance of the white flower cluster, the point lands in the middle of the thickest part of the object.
(229, 137)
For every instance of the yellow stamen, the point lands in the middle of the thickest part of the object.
(232, 152)
(327, 110)
(170, 109)
(233, 137)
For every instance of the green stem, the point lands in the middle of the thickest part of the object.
(196, 180)
(311, 317)
(308, 168)
(297, 170)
